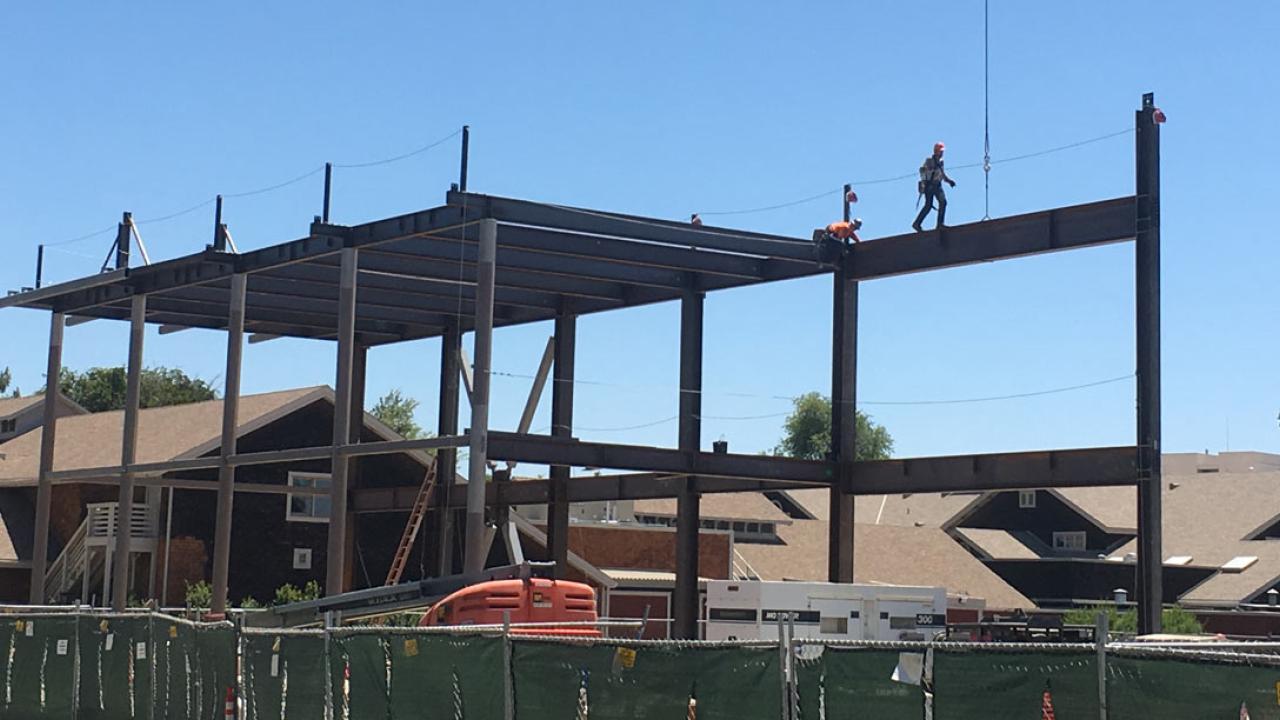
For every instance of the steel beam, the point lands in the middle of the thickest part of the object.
(48, 437)
(475, 551)
(565, 344)
(128, 453)
(337, 540)
(844, 384)
(447, 458)
(1147, 287)
(1065, 228)
(230, 425)
(595, 222)
(685, 595)
(1088, 467)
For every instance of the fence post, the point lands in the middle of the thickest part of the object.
(328, 668)
(1100, 635)
(508, 672)
(785, 657)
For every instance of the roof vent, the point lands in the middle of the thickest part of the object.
(1239, 563)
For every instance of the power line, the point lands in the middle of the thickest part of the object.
(912, 175)
(277, 186)
(397, 158)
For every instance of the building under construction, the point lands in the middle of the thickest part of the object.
(479, 262)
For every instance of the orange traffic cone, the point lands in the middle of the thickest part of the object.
(230, 712)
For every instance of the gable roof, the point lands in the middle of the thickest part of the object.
(10, 406)
(884, 554)
(996, 544)
(750, 506)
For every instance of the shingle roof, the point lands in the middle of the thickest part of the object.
(13, 405)
(164, 433)
(720, 506)
(997, 544)
(885, 554)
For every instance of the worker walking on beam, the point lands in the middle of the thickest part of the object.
(932, 175)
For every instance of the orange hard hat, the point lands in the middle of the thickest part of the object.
(939, 147)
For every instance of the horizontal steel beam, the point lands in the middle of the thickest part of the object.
(1063, 228)
(210, 485)
(381, 447)
(618, 225)
(543, 450)
(999, 471)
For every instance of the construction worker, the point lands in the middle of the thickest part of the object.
(932, 175)
(834, 238)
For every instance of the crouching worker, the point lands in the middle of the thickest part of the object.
(832, 240)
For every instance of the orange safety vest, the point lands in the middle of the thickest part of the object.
(842, 229)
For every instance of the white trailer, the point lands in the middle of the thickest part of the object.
(750, 610)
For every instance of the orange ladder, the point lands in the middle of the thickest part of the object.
(416, 514)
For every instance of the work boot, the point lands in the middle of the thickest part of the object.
(916, 226)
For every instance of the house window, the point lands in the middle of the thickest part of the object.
(1026, 499)
(308, 508)
(1074, 540)
(8, 426)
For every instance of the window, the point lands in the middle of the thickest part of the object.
(8, 426)
(834, 626)
(902, 623)
(1074, 540)
(308, 508)
(1026, 499)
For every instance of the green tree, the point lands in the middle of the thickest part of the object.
(5, 378)
(103, 388)
(395, 410)
(807, 432)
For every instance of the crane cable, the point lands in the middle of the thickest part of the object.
(986, 111)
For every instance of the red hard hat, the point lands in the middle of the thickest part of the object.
(851, 196)
(939, 147)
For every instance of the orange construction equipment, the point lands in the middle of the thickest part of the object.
(529, 600)
(416, 513)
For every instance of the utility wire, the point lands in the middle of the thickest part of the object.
(397, 158)
(912, 175)
(259, 191)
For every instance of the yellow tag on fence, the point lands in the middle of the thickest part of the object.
(18, 625)
(102, 626)
(626, 657)
(173, 631)
(411, 647)
(275, 646)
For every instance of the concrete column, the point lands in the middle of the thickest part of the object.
(48, 435)
(230, 422)
(337, 540)
(476, 547)
(566, 332)
(128, 453)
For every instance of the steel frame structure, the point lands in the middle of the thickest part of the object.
(480, 261)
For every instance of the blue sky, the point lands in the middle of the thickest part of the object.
(668, 108)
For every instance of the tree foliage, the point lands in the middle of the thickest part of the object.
(103, 388)
(807, 432)
(1175, 621)
(395, 410)
(5, 378)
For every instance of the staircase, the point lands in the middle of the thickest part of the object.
(84, 557)
(411, 527)
(742, 569)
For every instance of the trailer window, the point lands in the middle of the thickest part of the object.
(902, 623)
(834, 626)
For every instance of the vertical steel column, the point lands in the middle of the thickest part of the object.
(475, 551)
(1147, 264)
(128, 454)
(123, 238)
(447, 458)
(48, 434)
(337, 541)
(39, 265)
(844, 385)
(219, 237)
(685, 606)
(566, 338)
(328, 186)
(230, 421)
(466, 152)
(355, 427)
